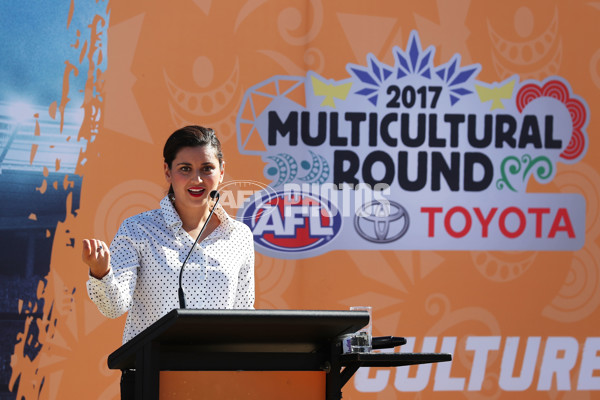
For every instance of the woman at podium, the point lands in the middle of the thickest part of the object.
(140, 272)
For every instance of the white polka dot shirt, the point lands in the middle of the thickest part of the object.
(146, 257)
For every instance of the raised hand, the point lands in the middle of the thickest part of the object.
(97, 256)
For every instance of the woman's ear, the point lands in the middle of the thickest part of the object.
(222, 172)
(167, 172)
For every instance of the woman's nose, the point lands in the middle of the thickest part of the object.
(198, 176)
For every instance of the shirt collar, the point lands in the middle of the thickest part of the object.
(170, 214)
(173, 220)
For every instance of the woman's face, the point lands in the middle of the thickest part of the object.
(194, 173)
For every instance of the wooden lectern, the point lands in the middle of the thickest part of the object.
(253, 340)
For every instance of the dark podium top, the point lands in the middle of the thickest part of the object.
(254, 340)
(241, 331)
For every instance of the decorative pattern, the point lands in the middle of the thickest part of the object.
(123, 201)
(331, 91)
(286, 169)
(318, 170)
(259, 98)
(533, 55)
(559, 91)
(513, 166)
(414, 61)
(495, 94)
(373, 77)
(578, 297)
(503, 267)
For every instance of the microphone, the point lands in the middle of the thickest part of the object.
(213, 195)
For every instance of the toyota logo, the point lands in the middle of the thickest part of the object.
(381, 221)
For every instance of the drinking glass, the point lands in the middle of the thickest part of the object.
(360, 342)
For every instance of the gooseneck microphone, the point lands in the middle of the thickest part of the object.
(213, 195)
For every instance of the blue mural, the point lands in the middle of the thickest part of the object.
(41, 93)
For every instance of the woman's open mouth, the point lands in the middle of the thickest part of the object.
(196, 191)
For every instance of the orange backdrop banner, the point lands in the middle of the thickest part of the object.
(478, 119)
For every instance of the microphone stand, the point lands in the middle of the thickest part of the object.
(214, 194)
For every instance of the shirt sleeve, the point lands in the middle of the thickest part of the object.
(245, 287)
(113, 293)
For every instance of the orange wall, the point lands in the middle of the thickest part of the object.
(192, 62)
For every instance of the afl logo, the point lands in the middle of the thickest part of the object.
(292, 222)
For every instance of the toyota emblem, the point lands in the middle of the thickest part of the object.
(381, 221)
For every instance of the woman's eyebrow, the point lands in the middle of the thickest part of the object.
(188, 163)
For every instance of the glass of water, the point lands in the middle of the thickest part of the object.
(360, 342)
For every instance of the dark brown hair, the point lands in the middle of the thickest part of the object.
(191, 136)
